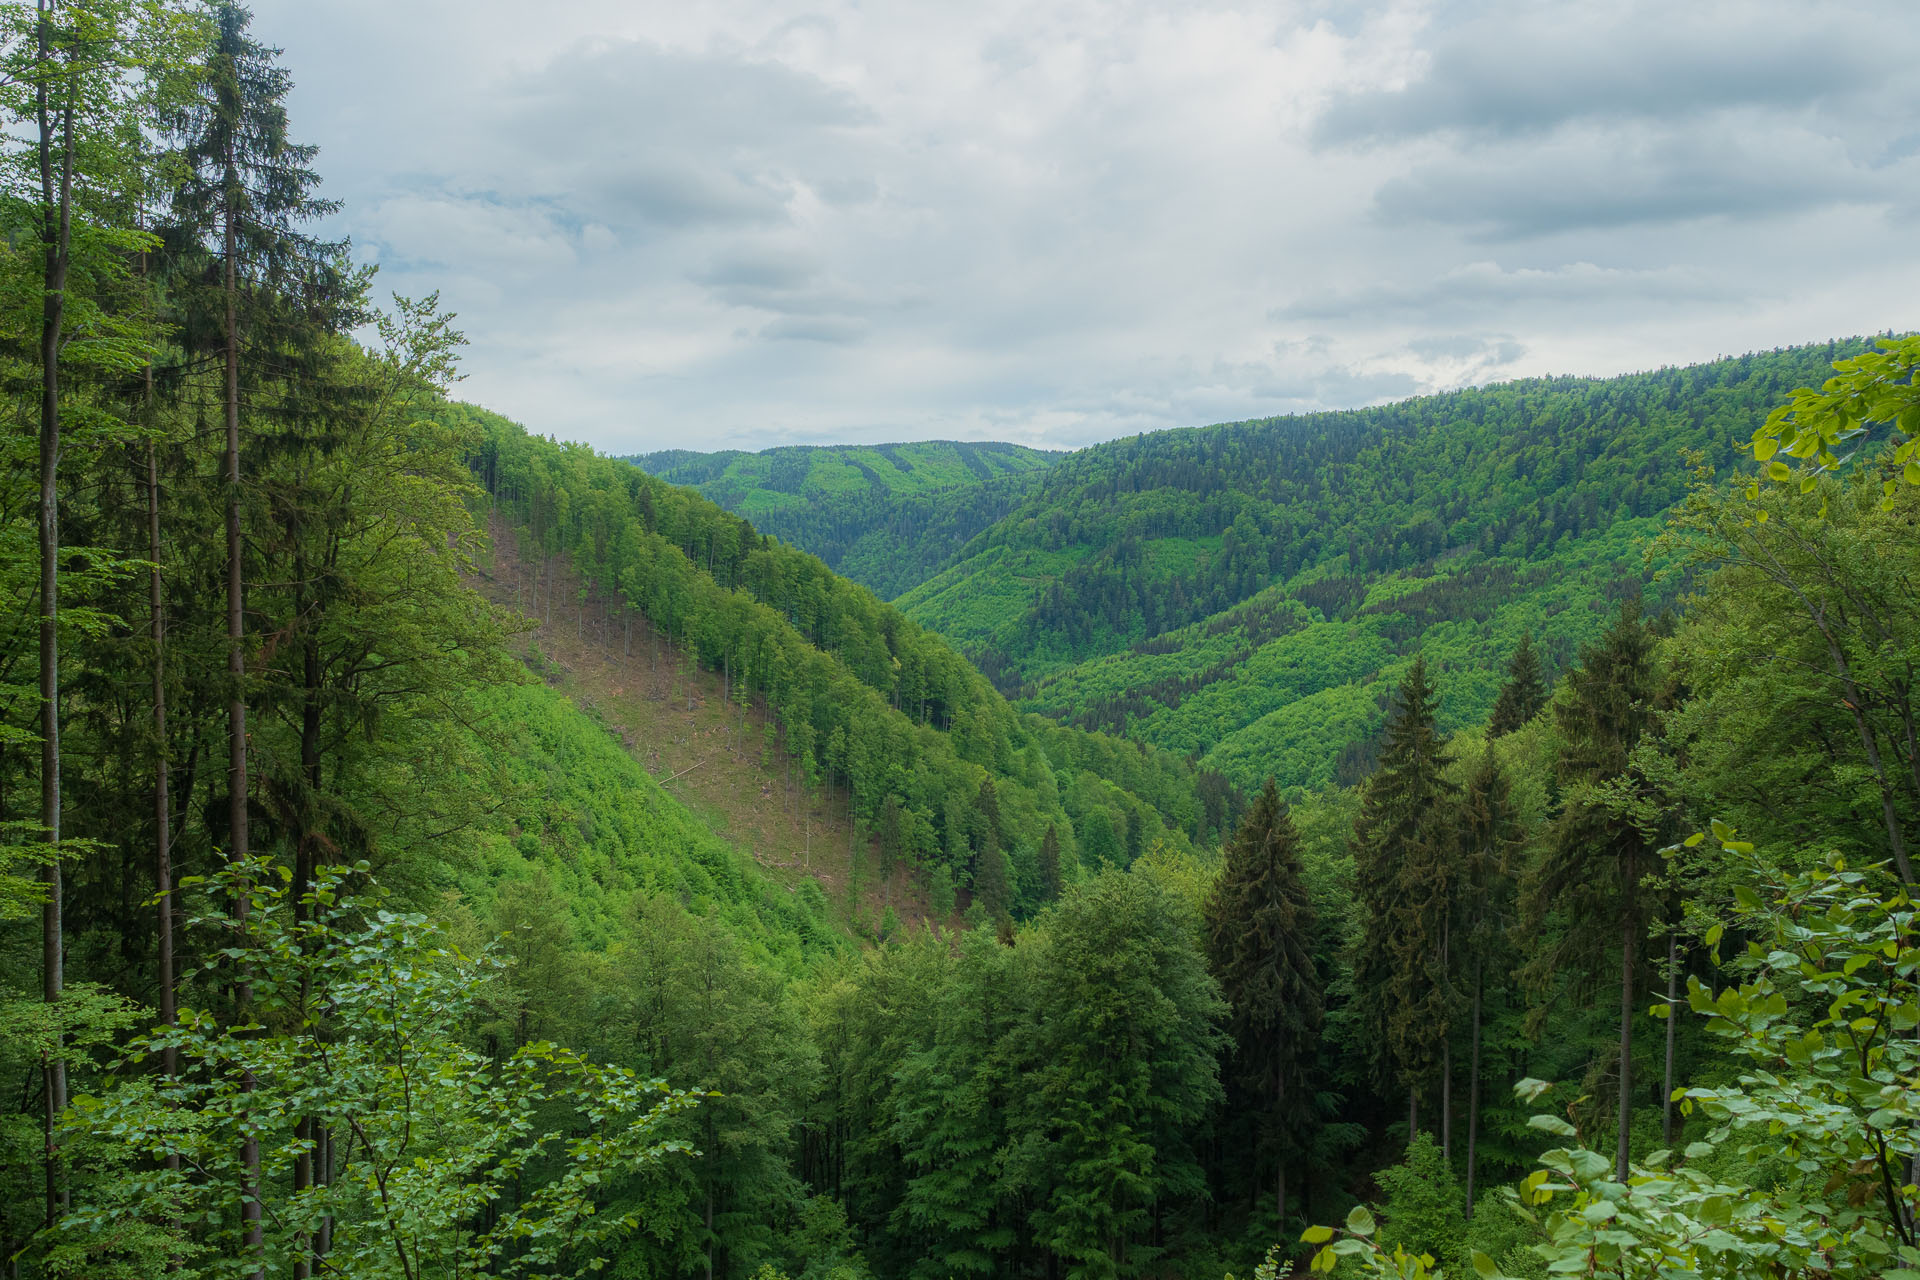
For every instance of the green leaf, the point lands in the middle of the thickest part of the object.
(1552, 1124)
(1316, 1235)
(1360, 1222)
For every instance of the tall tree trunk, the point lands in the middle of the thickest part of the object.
(1473, 1086)
(1628, 944)
(1413, 1113)
(237, 786)
(1673, 1016)
(162, 818)
(1280, 1154)
(56, 193)
(1446, 1046)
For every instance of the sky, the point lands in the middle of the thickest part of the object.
(744, 223)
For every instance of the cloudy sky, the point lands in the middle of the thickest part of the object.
(743, 223)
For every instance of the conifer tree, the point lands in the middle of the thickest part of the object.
(248, 188)
(1402, 881)
(1050, 864)
(1524, 693)
(1260, 929)
(1490, 839)
(1588, 882)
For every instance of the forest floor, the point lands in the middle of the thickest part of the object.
(714, 756)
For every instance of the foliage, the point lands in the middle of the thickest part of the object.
(1875, 387)
(1260, 937)
(1204, 589)
(349, 1070)
(886, 516)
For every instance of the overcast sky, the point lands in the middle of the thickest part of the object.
(743, 223)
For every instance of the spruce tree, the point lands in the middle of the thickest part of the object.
(1490, 838)
(1260, 927)
(246, 190)
(1401, 878)
(1524, 693)
(1585, 893)
(1050, 864)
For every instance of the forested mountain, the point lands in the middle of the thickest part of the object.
(885, 516)
(937, 765)
(347, 928)
(1252, 592)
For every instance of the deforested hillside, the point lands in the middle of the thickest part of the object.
(936, 769)
(886, 516)
(1250, 593)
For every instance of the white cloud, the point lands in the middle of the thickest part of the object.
(741, 223)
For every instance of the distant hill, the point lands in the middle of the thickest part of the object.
(1250, 592)
(886, 516)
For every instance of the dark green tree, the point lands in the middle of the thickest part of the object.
(1259, 927)
(1050, 883)
(1402, 854)
(1524, 693)
(1491, 840)
(247, 190)
(1584, 896)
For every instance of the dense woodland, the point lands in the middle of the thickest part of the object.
(340, 939)
(887, 516)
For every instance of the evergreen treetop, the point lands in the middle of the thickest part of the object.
(1524, 692)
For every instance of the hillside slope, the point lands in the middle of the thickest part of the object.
(886, 516)
(1249, 592)
(850, 699)
(651, 700)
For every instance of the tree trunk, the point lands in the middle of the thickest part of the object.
(1473, 1087)
(57, 231)
(162, 819)
(1673, 1017)
(1628, 941)
(1446, 1052)
(237, 786)
(1280, 1155)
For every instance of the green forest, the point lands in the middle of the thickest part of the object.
(1462, 837)
(887, 516)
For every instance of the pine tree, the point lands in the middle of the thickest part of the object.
(1260, 928)
(1524, 693)
(1401, 879)
(1588, 882)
